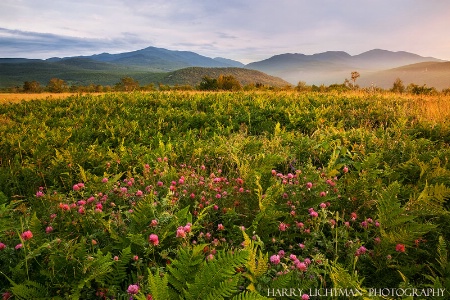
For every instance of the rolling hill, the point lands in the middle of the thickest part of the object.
(154, 65)
(432, 74)
(193, 76)
(334, 66)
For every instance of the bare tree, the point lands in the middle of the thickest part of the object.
(355, 76)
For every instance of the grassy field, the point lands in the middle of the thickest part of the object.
(7, 98)
(235, 195)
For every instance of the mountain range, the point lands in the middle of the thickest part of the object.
(153, 65)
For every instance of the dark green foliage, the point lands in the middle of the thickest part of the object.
(370, 155)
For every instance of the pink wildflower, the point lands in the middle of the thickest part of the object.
(275, 259)
(49, 229)
(2, 246)
(133, 289)
(153, 239)
(27, 235)
(180, 232)
(400, 248)
(282, 227)
(301, 266)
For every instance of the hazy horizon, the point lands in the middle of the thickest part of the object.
(246, 32)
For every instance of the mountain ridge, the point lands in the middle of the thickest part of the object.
(326, 68)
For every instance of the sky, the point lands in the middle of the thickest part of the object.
(243, 30)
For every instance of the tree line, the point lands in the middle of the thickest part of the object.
(222, 83)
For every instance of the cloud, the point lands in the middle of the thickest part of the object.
(44, 45)
(242, 30)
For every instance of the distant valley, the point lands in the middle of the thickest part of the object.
(155, 65)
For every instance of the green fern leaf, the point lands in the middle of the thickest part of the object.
(119, 268)
(159, 287)
(249, 296)
(218, 277)
(143, 213)
(183, 268)
(29, 290)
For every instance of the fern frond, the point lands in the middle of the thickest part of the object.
(431, 201)
(218, 277)
(29, 290)
(257, 264)
(342, 279)
(249, 296)
(143, 212)
(442, 253)
(225, 289)
(282, 281)
(159, 287)
(95, 270)
(398, 223)
(181, 217)
(183, 268)
(119, 268)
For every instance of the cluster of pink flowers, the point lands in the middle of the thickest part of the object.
(153, 239)
(133, 289)
(275, 259)
(360, 251)
(182, 230)
(27, 235)
(400, 248)
(78, 186)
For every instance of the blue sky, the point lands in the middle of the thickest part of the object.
(246, 31)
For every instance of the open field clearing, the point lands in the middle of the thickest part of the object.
(6, 98)
(225, 195)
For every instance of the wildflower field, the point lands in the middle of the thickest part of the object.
(215, 195)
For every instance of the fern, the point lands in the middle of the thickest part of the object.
(342, 279)
(159, 287)
(183, 268)
(96, 270)
(268, 209)
(217, 278)
(249, 296)
(257, 264)
(28, 290)
(398, 223)
(431, 201)
(119, 268)
(181, 217)
(442, 278)
(282, 281)
(143, 213)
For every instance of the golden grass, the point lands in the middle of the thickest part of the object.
(430, 109)
(434, 109)
(19, 97)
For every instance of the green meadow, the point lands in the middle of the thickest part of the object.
(225, 195)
